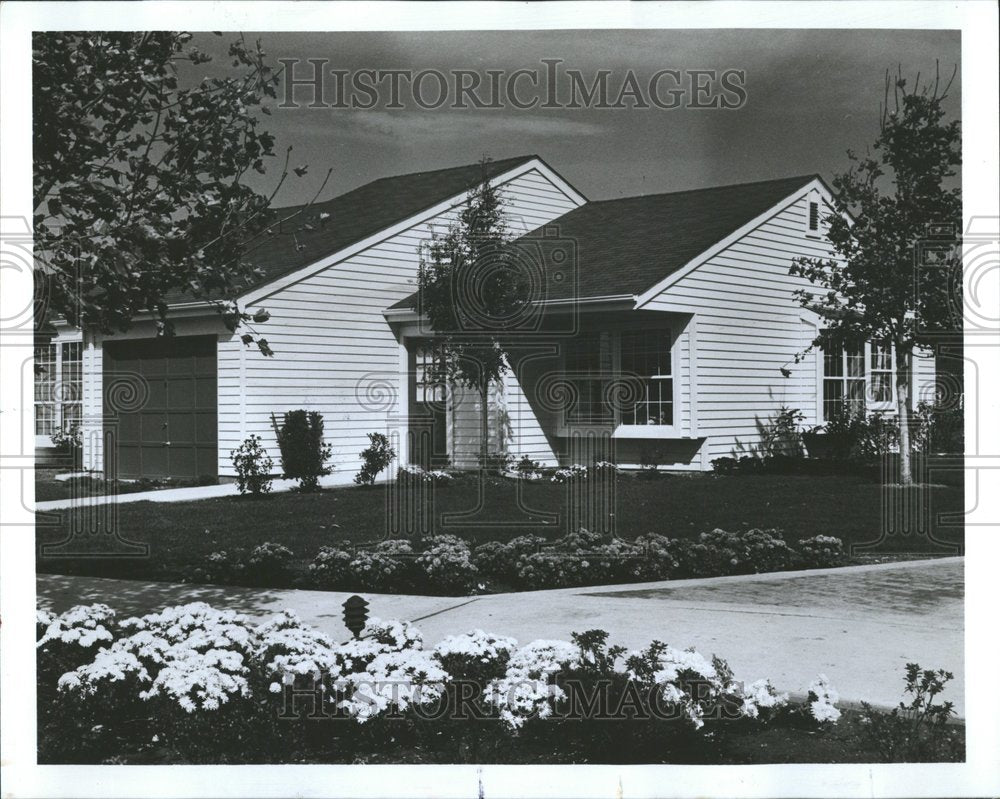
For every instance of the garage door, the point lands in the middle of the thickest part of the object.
(160, 406)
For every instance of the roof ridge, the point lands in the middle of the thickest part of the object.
(745, 184)
(447, 169)
(521, 158)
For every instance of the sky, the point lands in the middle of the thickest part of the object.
(810, 96)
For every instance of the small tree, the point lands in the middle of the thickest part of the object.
(878, 234)
(376, 457)
(470, 289)
(303, 452)
(253, 467)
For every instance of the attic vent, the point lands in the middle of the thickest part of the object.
(813, 216)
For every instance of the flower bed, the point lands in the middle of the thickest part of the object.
(446, 564)
(196, 684)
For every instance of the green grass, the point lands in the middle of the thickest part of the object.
(181, 535)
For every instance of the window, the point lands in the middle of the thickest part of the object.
(847, 384)
(645, 354)
(881, 371)
(58, 387)
(588, 370)
(641, 359)
(45, 389)
(813, 217)
(428, 374)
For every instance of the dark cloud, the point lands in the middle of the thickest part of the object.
(810, 96)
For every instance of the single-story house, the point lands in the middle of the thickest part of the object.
(688, 294)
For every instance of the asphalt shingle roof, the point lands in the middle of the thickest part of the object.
(628, 245)
(310, 233)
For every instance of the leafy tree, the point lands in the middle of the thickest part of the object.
(139, 191)
(886, 207)
(469, 290)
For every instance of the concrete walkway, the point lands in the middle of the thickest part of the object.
(185, 494)
(859, 625)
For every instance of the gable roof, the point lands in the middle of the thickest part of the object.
(303, 234)
(628, 245)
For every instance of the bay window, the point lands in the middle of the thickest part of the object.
(622, 378)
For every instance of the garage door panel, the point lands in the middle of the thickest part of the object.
(180, 407)
(205, 392)
(181, 391)
(157, 392)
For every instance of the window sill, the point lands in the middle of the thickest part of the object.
(647, 431)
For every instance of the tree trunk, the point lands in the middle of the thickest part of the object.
(484, 424)
(904, 360)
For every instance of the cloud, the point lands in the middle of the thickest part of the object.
(432, 125)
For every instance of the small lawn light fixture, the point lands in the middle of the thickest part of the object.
(355, 615)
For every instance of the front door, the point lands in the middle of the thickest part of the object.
(428, 421)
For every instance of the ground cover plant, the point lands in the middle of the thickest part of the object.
(193, 684)
(331, 526)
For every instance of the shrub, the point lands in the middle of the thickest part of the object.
(206, 685)
(939, 428)
(303, 452)
(332, 565)
(475, 656)
(491, 559)
(659, 556)
(918, 729)
(447, 565)
(377, 458)
(253, 467)
(721, 553)
(67, 439)
(822, 551)
(528, 468)
(270, 564)
(780, 435)
(414, 474)
(569, 473)
(384, 566)
(853, 433)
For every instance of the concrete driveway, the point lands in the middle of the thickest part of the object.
(859, 625)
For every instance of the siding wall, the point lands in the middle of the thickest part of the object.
(334, 351)
(748, 327)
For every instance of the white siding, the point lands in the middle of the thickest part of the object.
(749, 326)
(334, 351)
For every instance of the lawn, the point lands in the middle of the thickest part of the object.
(181, 535)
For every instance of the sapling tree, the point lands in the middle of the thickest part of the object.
(885, 209)
(470, 290)
(140, 176)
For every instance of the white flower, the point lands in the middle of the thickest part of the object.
(823, 698)
(476, 644)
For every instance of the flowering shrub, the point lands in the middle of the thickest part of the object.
(416, 474)
(475, 655)
(447, 564)
(210, 686)
(822, 700)
(743, 552)
(332, 565)
(565, 475)
(822, 551)
(526, 690)
(270, 563)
